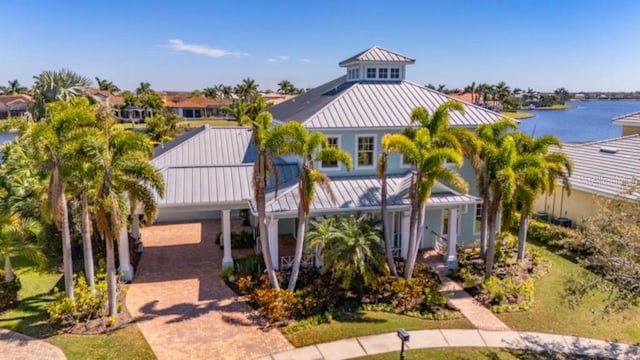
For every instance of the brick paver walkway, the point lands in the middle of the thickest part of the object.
(183, 307)
(17, 346)
(477, 314)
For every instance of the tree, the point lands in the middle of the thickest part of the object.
(211, 92)
(257, 105)
(287, 88)
(144, 88)
(225, 90)
(14, 241)
(53, 86)
(239, 111)
(122, 166)
(427, 149)
(350, 247)
(163, 127)
(268, 140)
(382, 176)
(311, 148)
(105, 85)
(612, 254)
(14, 88)
(247, 90)
(562, 95)
(537, 171)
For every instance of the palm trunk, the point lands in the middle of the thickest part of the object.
(111, 276)
(522, 235)
(86, 242)
(297, 256)
(485, 215)
(264, 240)
(491, 249)
(8, 270)
(385, 227)
(67, 259)
(413, 226)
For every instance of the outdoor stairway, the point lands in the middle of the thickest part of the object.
(477, 314)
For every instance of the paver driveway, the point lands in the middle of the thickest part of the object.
(183, 307)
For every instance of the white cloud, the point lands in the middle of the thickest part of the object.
(305, 60)
(283, 57)
(278, 58)
(180, 45)
(272, 59)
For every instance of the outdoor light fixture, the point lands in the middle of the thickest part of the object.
(404, 337)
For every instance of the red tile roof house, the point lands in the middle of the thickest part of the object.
(196, 107)
(14, 105)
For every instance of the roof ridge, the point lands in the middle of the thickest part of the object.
(462, 101)
(185, 136)
(338, 97)
(605, 140)
(625, 115)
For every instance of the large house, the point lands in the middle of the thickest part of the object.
(208, 170)
(601, 169)
(14, 105)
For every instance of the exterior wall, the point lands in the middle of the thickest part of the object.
(576, 206)
(185, 214)
(630, 130)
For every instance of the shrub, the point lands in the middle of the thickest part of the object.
(277, 306)
(549, 234)
(252, 264)
(8, 291)
(512, 290)
(239, 240)
(84, 306)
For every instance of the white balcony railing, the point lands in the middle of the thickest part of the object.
(286, 262)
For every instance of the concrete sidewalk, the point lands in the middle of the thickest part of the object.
(16, 346)
(421, 339)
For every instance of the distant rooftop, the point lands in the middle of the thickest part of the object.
(632, 119)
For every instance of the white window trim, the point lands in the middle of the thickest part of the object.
(399, 73)
(339, 147)
(375, 147)
(375, 73)
(403, 165)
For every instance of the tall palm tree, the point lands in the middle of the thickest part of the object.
(15, 233)
(14, 88)
(427, 149)
(144, 88)
(122, 166)
(225, 90)
(311, 147)
(52, 86)
(268, 140)
(382, 176)
(211, 92)
(537, 172)
(105, 85)
(284, 86)
(239, 111)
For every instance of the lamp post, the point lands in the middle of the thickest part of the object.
(404, 337)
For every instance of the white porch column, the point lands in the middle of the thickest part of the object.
(126, 270)
(135, 226)
(404, 243)
(227, 259)
(452, 238)
(272, 231)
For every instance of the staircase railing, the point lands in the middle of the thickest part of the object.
(439, 242)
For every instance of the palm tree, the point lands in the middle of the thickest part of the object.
(239, 111)
(350, 247)
(14, 88)
(105, 85)
(14, 241)
(211, 92)
(562, 94)
(268, 140)
(52, 86)
(284, 86)
(427, 149)
(225, 90)
(121, 159)
(382, 176)
(144, 88)
(537, 171)
(311, 147)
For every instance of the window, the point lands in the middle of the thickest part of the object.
(366, 146)
(405, 163)
(333, 141)
(371, 73)
(395, 73)
(477, 225)
(353, 74)
(383, 73)
(187, 113)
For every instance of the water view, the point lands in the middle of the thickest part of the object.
(587, 121)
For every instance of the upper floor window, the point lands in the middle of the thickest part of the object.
(353, 74)
(395, 73)
(371, 73)
(383, 73)
(366, 146)
(332, 141)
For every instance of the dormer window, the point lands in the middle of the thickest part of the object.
(395, 73)
(371, 73)
(383, 73)
(353, 74)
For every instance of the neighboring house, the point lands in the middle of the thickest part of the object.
(601, 168)
(14, 105)
(208, 171)
(276, 98)
(197, 107)
(630, 123)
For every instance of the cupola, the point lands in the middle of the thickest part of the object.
(376, 64)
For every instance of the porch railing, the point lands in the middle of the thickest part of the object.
(396, 252)
(286, 262)
(439, 242)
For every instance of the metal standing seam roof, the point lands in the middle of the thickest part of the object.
(601, 172)
(369, 104)
(362, 192)
(377, 54)
(629, 119)
(224, 184)
(207, 146)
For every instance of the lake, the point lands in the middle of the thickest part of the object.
(587, 121)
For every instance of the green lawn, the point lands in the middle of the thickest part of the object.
(517, 114)
(368, 323)
(190, 123)
(467, 354)
(549, 314)
(30, 318)
(555, 107)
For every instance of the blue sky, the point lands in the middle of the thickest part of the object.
(186, 45)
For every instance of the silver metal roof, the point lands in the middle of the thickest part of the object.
(377, 54)
(629, 119)
(217, 185)
(389, 105)
(602, 167)
(362, 192)
(207, 146)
